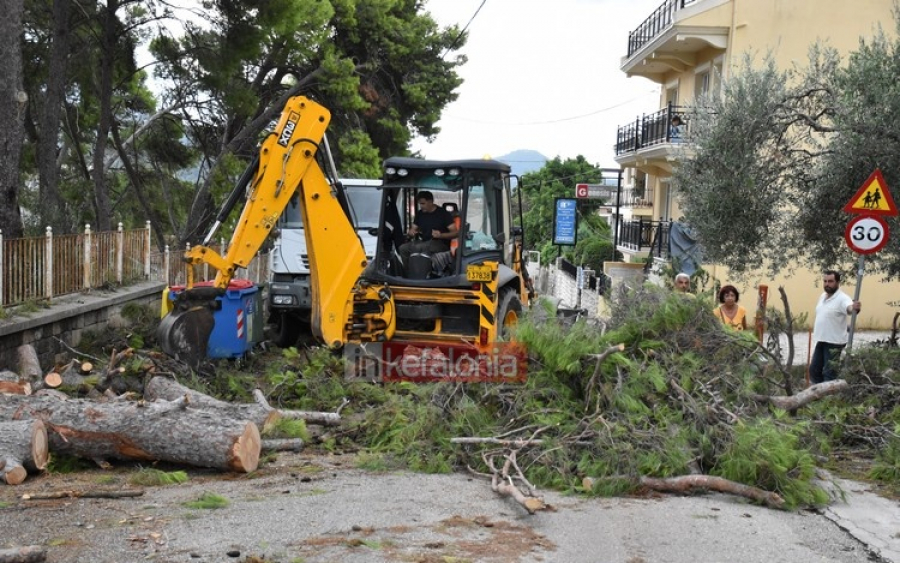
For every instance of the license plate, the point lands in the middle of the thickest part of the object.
(478, 273)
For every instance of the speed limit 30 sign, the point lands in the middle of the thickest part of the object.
(866, 234)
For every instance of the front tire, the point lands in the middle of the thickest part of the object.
(508, 312)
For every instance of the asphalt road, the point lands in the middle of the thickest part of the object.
(310, 509)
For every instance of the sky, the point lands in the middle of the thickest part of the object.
(542, 75)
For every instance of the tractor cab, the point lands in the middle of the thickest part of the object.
(476, 196)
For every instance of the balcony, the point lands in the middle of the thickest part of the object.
(666, 42)
(637, 198)
(652, 130)
(646, 236)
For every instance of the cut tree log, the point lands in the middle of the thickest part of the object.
(29, 363)
(25, 554)
(11, 383)
(23, 448)
(124, 430)
(75, 381)
(808, 395)
(15, 388)
(260, 412)
(52, 380)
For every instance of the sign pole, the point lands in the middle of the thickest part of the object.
(859, 280)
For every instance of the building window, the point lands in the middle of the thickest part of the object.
(702, 84)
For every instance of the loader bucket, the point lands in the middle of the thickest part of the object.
(184, 333)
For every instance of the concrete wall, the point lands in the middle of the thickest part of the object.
(65, 322)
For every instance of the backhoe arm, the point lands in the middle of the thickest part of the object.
(284, 159)
(286, 164)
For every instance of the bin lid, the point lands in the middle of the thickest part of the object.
(233, 285)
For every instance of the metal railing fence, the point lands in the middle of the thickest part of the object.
(641, 235)
(655, 24)
(653, 129)
(37, 269)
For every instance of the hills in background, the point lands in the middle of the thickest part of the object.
(523, 161)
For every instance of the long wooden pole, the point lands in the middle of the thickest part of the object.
(763, 296)
(808, 354)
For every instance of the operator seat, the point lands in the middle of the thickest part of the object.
(442, 260)
(453, 209)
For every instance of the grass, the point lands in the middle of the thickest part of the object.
(208, 501)
(150, 477)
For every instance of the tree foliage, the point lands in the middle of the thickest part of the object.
(539, 192)
(378, 66)
(102, 147)
(779, 152)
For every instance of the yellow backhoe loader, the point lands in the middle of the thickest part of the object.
(431, 315)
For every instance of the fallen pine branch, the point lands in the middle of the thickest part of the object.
(599, 358)
(687, 483)
(282, 444)
(808, 395)
(503, 442)
(503, 483)
(119, 493)
(260, 412)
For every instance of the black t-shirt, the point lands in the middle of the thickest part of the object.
(438, 219)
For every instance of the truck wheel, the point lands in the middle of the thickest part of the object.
(287, 331)
(508, 311)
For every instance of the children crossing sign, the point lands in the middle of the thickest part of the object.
(873, 198)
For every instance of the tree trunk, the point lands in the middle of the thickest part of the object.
(51, 113)
(23, 447)
(108, 36)
(159, 431)
(137, 185)
(13, 104)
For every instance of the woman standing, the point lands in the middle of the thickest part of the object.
(731, 314)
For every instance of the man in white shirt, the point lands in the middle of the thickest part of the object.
(830, 328)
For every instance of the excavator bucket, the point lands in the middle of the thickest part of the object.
(184, 332)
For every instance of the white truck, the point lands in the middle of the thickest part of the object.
(289, 301)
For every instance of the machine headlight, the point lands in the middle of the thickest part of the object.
(283, 299)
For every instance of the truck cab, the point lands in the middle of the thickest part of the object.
(289, 299)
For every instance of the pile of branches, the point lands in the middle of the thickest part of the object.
(658, 396)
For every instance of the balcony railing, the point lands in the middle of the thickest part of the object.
(643, 235)
(653, 129)
(659, 21)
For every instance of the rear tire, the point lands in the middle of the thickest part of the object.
(286, 331)
(508, 312)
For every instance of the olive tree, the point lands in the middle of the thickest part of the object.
(777, 153)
